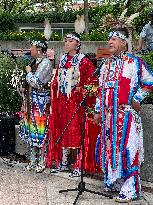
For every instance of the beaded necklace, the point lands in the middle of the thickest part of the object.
(68, 78)
(112, 71)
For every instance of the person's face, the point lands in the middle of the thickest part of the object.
(34, 51)
(116, 45)
(70, 44)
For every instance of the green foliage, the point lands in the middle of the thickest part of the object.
(6, 22)
(22, 6)
(27, 36)
(20, 36)
(10, 99)
(96, 14)
(98, 34)
(95, 35)
(85, 37)
(148, 58)
(140, 21)
(53, 16)
(55, 37)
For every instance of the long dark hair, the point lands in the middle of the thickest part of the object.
(78, 36)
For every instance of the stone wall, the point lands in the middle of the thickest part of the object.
(147, 122)
(87, 46)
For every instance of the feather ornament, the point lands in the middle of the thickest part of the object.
(47, 30)
(131, 18)
(79, 24)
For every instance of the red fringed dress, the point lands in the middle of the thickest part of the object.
(67, 88)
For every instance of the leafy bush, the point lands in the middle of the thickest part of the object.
(10, 99)
(54, 17)
(55, 37)
(140, 21)
(6, 22)
(98, 34)
(95, 35)
(96, 14)
(27, 36)
(148, 58)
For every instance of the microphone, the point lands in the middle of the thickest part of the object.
(32, 63)
(23, 80)
(97, 71)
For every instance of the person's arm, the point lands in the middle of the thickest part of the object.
(138, 98)
(41, 76)
(142, 37)
(141, 43)
(146, 87)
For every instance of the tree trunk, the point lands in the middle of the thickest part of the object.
(86, 16)
(130, 43)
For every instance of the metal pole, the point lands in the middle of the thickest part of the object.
(86, 18)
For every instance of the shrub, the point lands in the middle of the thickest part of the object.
(20, 36)
(148, 58)
(98, 35)
(27, 36)
(140, 21)
(54, 17)
(6, 22)
(96, 14)
(10, 99)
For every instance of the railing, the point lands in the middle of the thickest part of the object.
(103, 53)
(20, 52)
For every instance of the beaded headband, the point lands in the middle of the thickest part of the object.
(117, 34)
(39, 44)
(73, 37)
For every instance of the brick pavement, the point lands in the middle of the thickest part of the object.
(18, 187)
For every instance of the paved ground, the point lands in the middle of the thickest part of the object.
(18, 187)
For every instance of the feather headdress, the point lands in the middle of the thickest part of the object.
(123, 21)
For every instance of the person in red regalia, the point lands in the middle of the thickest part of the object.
(74, 73)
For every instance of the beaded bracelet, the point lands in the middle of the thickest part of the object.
(140, 95)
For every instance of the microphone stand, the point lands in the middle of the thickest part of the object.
(81, 186)
(28, 92)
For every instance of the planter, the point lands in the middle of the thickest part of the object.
(7, 134)
(147, 123)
